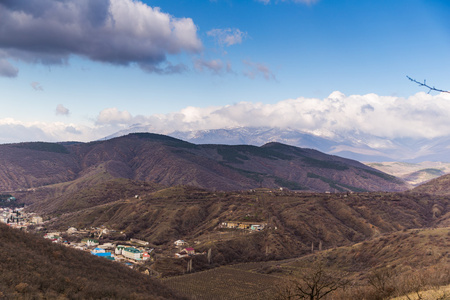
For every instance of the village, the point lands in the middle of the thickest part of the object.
(111, 244)
(17, 218)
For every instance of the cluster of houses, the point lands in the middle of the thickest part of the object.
(254, 226)
(121, 252)
(183, 250)
(108, 250)
(17, 218)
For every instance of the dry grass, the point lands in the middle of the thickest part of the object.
(442, 293)
(223, 283)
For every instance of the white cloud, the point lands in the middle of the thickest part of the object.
(61, 110)
(121, 32)
(385, 117)
(228, 36)
(419, 116)
(215, 65)
(254, 69)
(113, 116)
(14, 131)
(36, 86)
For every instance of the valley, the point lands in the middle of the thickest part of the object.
(300, 210)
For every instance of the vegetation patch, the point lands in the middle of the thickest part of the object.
(43, 146)
(170, 141)
(435, 172)
(235, 154)
(231, 154)
(292, 185)
(324, 164)
(381, 175)
(336, 185)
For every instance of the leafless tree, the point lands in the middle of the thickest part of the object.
(313, 284)
(424, 84)
(382, 281)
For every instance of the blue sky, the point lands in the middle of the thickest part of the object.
(229, 59)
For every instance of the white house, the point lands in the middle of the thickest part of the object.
(179, 243)
(90, 242)
(119, 249)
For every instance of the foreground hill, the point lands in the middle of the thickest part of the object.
(411, 263)
(168, 161)
(34, 268)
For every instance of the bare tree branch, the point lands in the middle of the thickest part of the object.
(424, 83)
(314, 283)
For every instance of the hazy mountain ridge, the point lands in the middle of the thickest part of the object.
(413, 173)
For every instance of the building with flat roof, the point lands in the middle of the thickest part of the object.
(132, 253)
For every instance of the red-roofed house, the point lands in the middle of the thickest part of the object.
(190, 251)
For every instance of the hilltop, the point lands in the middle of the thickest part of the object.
(437, 186)
(169, 161)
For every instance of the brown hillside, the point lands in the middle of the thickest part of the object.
(404, 262)
(400, 263)
(34, 268)
(168, 161)
(295, 220)
(437, 186)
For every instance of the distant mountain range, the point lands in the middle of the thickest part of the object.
(353, 145)
(413, 173)
(169, 161)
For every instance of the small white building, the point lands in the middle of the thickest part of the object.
(37, 220)
(98, 250)
(119, 249)
(90, 242)
(52, 235)
(179, 243)
(72, 230)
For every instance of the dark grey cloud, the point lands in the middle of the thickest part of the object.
(6, 69)
(164, 69)
(121, 32)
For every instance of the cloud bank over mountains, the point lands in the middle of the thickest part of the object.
(419, 116)
(120, 32)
